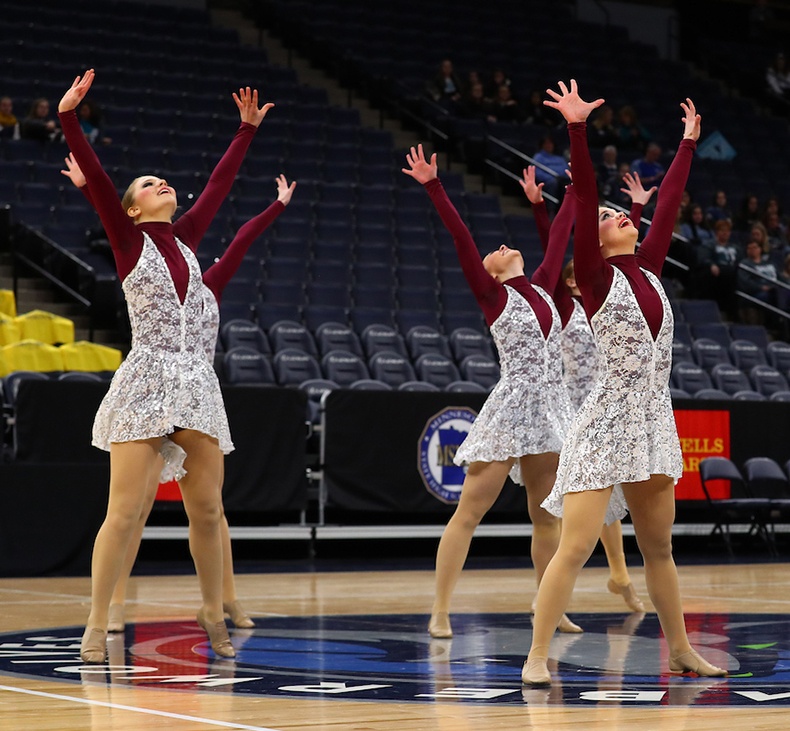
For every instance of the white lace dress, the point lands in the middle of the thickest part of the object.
(580, 363)
(625, 431)
(528, 411)
(166, 380)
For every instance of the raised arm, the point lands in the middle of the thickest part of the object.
(640, 196)
(122, 234)
(488, 292)
(593, 273)
(534, 192)
(217, 276)
(192, 226)
(655, 247)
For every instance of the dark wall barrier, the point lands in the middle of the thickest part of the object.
(378, 456)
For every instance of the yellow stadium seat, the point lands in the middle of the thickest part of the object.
(7, 302)
(10, 332)
(31, 355)
(87, 356)
(46, 327)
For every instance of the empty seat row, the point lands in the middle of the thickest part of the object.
(730, 381)
(743, 354)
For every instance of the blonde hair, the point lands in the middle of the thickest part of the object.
(128, 197)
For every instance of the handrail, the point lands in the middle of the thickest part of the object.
(755, 273)
(762, 304)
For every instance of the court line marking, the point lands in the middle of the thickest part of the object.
(135, 709)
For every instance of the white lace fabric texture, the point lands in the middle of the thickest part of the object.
(625, 430)
(580, 363)
(529, 410)
(166, 380)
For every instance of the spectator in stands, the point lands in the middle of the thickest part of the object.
(719, 262)
(601, 130)
(498, 78)
(504, 108)
(555, 178)
(215, 279)
(39, 125)
(535, 112)
(502, 440)
(748, 214)
(751, 279)
(445, 87)
(165, 387)
(761, 21)
(607, 172)
(632, 135)
(777, 81)
(759, 233)
(783, 294)
(475, 104)
(91, 119)
(719, 210)
(697, 235)
(9, 124)
(777, 233)
(649, 167)
(695, 228)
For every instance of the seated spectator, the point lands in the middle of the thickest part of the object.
(631, 134)
(753, 284)
(475, 104)
(649, 167)
(717, 268)
(555, 178)
(748, 213)
(39, 125)
(777, 232)
(697, 232)
(719, 210)
(504, 108)
(777, 80)
(759, 233)
(9, 124)
(607, 172)
(445, 86)
(783, 294)
(536, 112)
(601, 130)
(90, 117)
(498, 78)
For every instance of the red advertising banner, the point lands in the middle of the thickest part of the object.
(702, 434)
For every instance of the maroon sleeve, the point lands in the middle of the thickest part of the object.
(654, 248)
(192, 226)
(548, 274)
(635, 214)
(217, 276)
(542, 223)
(490, 294)
(561, 231)
(126, 241)
(593, 274)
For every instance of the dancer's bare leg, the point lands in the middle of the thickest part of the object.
(200, 489)
(582, 518)
(482, 485)
(539, 471)
(131, 467)
(619, 580)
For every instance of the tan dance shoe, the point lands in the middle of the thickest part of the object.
(115, 622)
(238, 616)
(628, 593)
(93, 648)
(536, 673)
(565, 625)
(439, 626)
(218, 636)
(692, 662)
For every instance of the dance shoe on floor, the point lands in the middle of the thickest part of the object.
(238, 616)
(439, 626)
(628, 593)
(218, 636)
(535, 673)
(692, 662)
(115, 622)
(93, 648)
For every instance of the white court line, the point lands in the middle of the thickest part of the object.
(135, 709)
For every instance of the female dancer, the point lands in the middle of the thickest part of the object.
(166, 386)
(580, 366)
(215, 278)
(622, 451)
(520, 429)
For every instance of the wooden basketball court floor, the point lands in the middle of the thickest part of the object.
(135, 693)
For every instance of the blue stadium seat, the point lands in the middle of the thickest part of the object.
(291, 335)
(234, 333)
(480, 369)
(424, 339)
(436, 369)
(708, 353)
(293, 366)
(379, 337)
(745, 354)
(729, 378)
(778, 354)
(418, 386)
(690, 377)
(337, 336)
(247, 366)
(767, 380)
(717, 331)
(344, 367)
(700, 311)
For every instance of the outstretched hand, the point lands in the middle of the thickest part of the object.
(635, 189)
(79, 88)
(569, 104)
(533, 190)
(73, 172)
(419, 168)
(247, 102)
(284, 191)
(692, 120)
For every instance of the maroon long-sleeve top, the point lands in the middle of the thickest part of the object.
(490, 294)
(594, 274)
(125, 237)
(217, 276)
(561, 228)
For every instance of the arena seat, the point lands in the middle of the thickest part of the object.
(243, 365)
